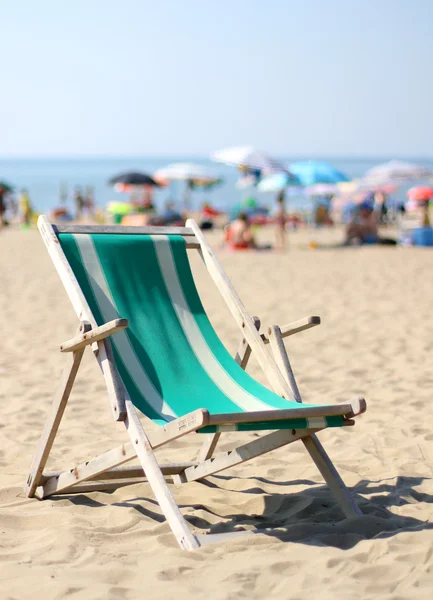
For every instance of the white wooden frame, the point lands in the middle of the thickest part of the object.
(106, 471)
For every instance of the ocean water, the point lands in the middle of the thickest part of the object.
(44, 177)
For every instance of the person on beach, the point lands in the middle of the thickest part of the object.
(363, 228)
(280, 221)
(25, 208)
(79, 203)
(89, 202)
(239, 234)
(3, 193)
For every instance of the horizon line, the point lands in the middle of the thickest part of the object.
(366, 157)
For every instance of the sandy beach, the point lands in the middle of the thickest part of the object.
(375, 340)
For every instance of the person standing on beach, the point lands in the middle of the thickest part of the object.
(280, 221)
(3, 193)
(79, 203)
(89, 202)
(25, 208)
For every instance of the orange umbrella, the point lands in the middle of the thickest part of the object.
(420, 193)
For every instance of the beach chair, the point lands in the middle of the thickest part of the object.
(139, 311)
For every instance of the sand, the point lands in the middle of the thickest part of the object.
(375, 340)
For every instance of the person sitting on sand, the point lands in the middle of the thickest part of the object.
(239, 234)
(363, 229)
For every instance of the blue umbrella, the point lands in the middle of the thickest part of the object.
(311, 172)
(277, 182)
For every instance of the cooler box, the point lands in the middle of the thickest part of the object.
(422, 236)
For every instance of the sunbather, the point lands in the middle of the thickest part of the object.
(239, 234)
(363, 229)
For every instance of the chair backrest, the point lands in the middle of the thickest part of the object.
(170, 359)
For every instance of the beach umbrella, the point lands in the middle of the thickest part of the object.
(312, 172)
(396, 170)
(194, 176)
(277, 182)
(246, 181)
(190, 172)
(420, 193)
(322, 189)
(248, 158)
(133, 178)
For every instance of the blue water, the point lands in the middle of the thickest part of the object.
(43, 178)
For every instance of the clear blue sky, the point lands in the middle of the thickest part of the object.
(170, 77)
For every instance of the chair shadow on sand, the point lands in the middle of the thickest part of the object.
(310, 516)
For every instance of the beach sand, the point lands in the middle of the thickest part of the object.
(375, 340)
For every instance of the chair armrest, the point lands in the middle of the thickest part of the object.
(94, 335)
(294, 327)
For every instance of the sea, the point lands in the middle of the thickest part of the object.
(44, 178)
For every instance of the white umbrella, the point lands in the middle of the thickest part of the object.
(187, 172)
(245, 182)
(247, 157)
(396, 170)
(191, 173)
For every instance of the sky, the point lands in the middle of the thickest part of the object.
(186, 77)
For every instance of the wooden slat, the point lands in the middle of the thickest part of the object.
(208, 446)
(52, 424)
(84, 471)
(295, 327)
(359, 406)
(104, 356)
(140, 441)
(88, 487)
(188, 235)
(134, 472)
(332, 477)
(243, 453)
(244, 350)
(94, 335)
(122, 454)
(113, 381)
(303, 412)
(312, 443)
(122, 229)
(179, 427)
(65, 272)
(282, 360)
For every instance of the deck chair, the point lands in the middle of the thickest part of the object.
(139, 310)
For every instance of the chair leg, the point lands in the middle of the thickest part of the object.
(330, 474)
(186, 539)
(311, 443)
(46, 441)
(208, 447)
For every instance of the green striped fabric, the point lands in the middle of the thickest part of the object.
(170, 359)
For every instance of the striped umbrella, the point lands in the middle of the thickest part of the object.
(396, 170)
(248, 158)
